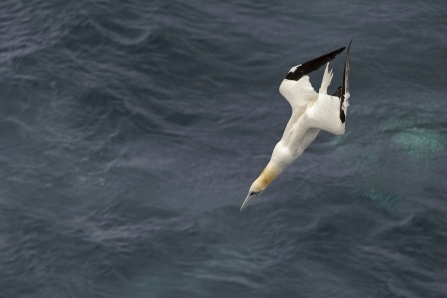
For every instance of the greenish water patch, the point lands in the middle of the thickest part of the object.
(418, 143)
(200, 278)
(378, 190)
(365, 160)
(386, 199)
(406, 118)
(337, 140)
(361, 155)
(218, 262)
(345, 144)
(150, 284)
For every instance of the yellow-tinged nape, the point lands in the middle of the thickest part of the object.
(267, 176)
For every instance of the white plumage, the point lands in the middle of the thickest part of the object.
(311, 112)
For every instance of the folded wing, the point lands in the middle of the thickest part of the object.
(345, 92)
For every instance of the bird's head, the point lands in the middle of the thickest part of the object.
(258, 186)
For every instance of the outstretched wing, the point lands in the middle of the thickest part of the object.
(303, 69)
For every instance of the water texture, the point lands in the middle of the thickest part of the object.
(130, 132)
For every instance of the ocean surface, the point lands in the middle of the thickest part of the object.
(131, 131)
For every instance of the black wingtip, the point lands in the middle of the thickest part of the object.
(313, 65)
(336, 52)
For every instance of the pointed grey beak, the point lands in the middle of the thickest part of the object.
(248, 199)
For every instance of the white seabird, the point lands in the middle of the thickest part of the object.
(311, 112)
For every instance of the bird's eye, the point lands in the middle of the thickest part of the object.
(253, 193)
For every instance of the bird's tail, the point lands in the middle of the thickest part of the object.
(324, 114)
(327, 78)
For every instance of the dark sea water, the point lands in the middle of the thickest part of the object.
(131, 131)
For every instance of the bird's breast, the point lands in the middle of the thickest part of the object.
(282, 156)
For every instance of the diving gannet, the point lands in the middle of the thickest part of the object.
(311, 112)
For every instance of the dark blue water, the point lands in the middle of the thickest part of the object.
(130, 132)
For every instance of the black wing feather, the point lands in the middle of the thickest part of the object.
(338, 92)
(312, 65)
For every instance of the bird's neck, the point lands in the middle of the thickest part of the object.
(267, 176)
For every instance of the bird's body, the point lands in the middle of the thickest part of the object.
(311, 112)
